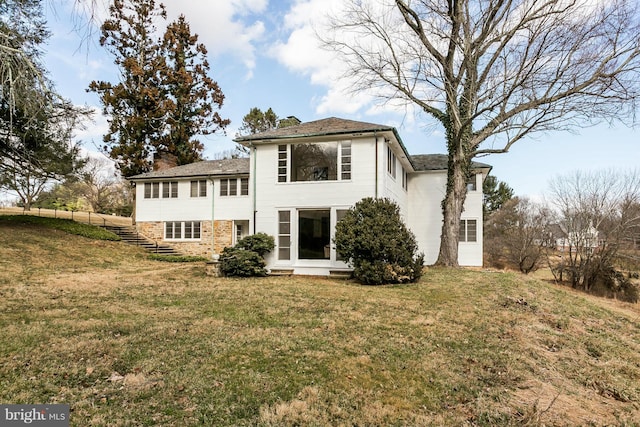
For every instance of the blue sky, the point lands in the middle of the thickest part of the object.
(264, 54)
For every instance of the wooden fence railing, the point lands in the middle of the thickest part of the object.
(92, 218)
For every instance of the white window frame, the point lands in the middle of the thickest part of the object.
(465, 231)
(344, 171)
(179, 230)
(284, 232)
(151, 190)
(391, 162)
(170, 189)
(472, 183)
(198, 188)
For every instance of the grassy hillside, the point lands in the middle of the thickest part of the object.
(129, 341)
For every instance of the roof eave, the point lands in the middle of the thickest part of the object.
(200, 175)
(267, 139)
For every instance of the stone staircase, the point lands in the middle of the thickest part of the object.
(130, 235)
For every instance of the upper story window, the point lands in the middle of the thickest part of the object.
(231, 187)
(282, 163)
(151, 190)
(199, 188)
(345, 158)
(170, 190)
(391, 162)
(314, 162)
(405, 179)
(472, 183)
(244, 186)
(321, 161)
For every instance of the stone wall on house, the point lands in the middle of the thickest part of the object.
(223, 237)
(223, 234)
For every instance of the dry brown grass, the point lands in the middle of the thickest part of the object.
(129, 341)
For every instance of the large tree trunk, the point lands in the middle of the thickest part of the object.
(452, 204)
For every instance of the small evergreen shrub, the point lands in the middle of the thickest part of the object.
(377, 243)
(260, 243)
(241, 262)
(246, 258)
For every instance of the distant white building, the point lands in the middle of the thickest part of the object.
(296, 185)
(582, 238)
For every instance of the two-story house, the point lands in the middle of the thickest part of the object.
(296, 185)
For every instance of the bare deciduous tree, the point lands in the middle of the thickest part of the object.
(515, 233)
(492, 71)
(599, 211)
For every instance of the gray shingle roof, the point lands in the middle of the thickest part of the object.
(433, 162)
(330, 126)
(203, 168)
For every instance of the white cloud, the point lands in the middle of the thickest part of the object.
(224, 27)
(301, 52)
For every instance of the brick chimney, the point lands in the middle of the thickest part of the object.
(163, 160)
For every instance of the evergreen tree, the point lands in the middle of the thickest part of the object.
(36, 123)
(495, 194)
(257, 121)
(135, 105)
(192, 94)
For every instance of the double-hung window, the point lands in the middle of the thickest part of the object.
(468, 230)
(151, 190)
(199, 188)
(170, 190)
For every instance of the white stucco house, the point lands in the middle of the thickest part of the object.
(296, 185)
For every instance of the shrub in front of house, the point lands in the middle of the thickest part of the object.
(246, 258)
(377, 243)
(241, 263)
(260, 243)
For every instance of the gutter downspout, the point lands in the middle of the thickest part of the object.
(213, 222)
(376, 166)
(255, 162)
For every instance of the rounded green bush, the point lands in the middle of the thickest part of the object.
(260, 243)
(241, 262)
(377, 243)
